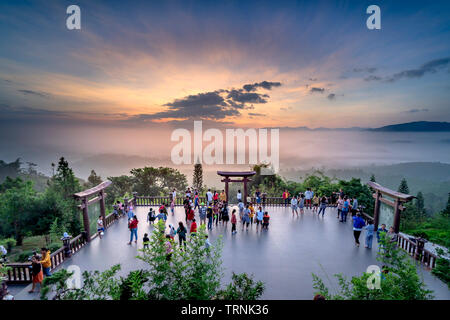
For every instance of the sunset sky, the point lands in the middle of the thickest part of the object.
(249, 63)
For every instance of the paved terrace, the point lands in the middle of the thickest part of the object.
(283, 257)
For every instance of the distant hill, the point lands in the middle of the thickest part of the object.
(432, 178)
(419, 126)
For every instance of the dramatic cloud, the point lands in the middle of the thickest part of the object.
(373, 78)
(217, 104)
(417, 110)
(254, 114)
(318, 90)
(366, 69)
(35, 93)
(264, 84)
(432, 66)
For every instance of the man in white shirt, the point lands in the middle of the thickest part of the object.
(308, 196)
(209, 196)
(239, 196)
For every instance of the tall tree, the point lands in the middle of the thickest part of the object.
(420, 202)
(446, 211)
(94, 179)
(372, 178)
(197, 181)
(403, 187)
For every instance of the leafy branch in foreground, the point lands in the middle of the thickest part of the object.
(191, 272)
(399, 279)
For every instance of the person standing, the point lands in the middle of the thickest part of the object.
(133, 229)
(315, 202)
(190, 217)
(294, 206)
(36, 273)
(246, 217)
(209, 197)
(258, 196)
(181, 231)
(223, 196)
(172, 231)
(308, 196)
(225, 216)
(196, 200)
(340, 205)
(241, 210)
(193, 230)
(286, 197)
(209, 216)
(323, 206)
(46, 262)
(100, 227)
(202, 213)
(259, 217)
(380, 230)
(301, 203)
(174, 195)
(172, 207)
(266, 219)
(345, 209)
(145, 241)
(233, 221)
(239, 196)
(370, 228)
(130, 213)
(358, 224)
(354, 206)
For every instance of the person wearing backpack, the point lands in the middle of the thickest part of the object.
(358, 225)
(345, 209)
(181, 231)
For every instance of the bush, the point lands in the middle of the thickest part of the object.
(25, 255)
(9, 243)
(54, 246)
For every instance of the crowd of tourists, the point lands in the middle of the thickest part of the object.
(214, 211)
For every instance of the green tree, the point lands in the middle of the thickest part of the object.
(16, 210)
(403, 187)
(372, 178)
(197, 180)
(399, 280)
(62, 186)
(93, 179)
(193, 273)
(446, 211)
(242, 287)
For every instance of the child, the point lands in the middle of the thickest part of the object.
(233, 222)
(172, 208)
(193, 228)
(266, 219)
(145, 241)
(252, 213)
(259, 217)
(172, 232)
(202, 214)
(100, 228)
(315, 203)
